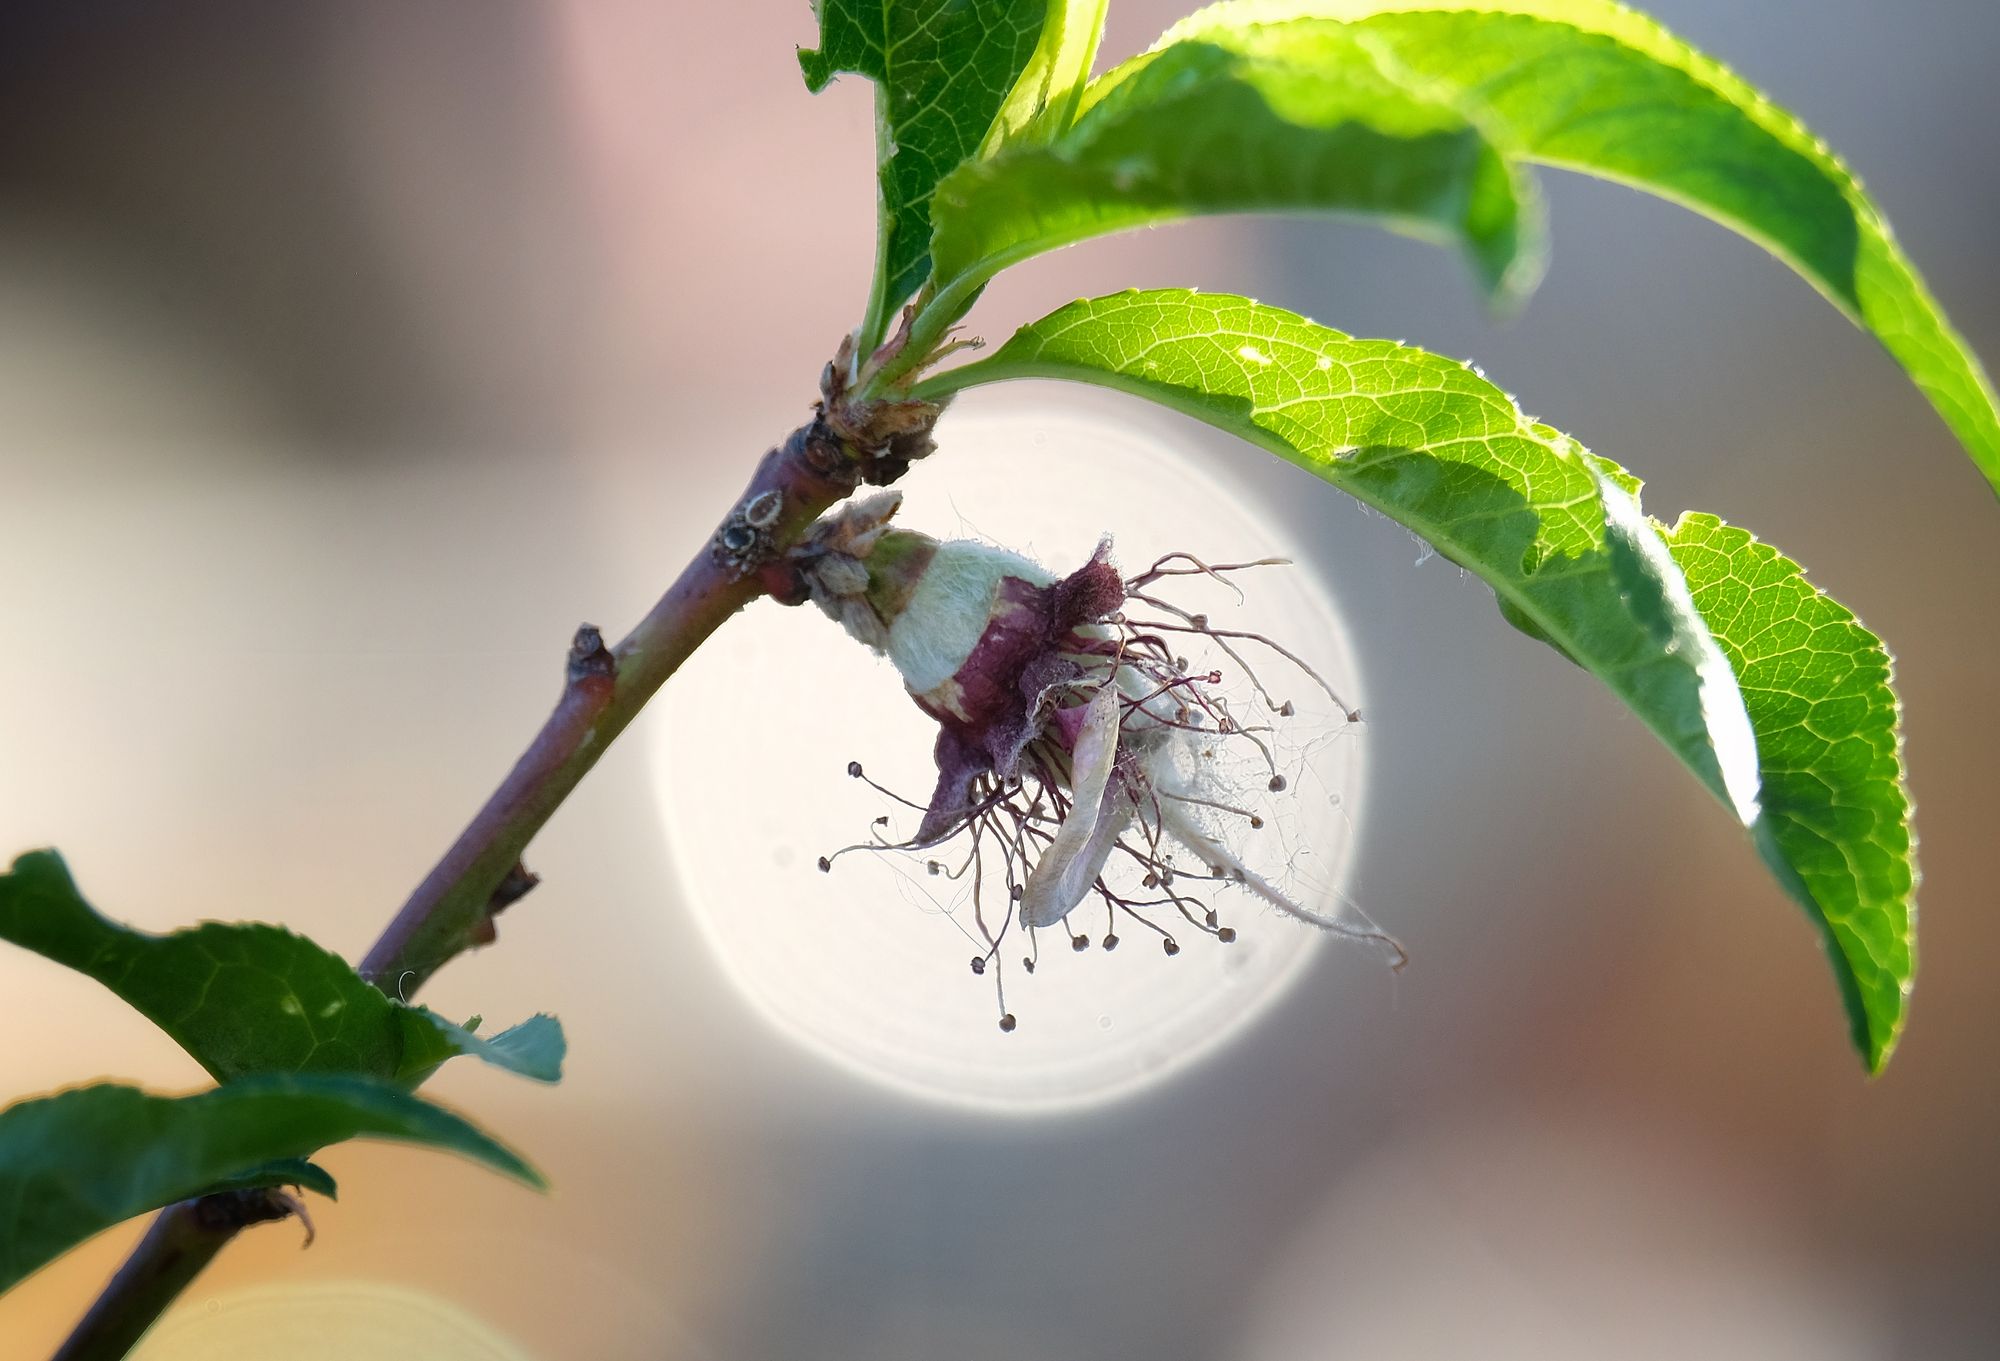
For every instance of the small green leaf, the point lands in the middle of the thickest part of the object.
(534, 1048)
(1803, 752)
(943, 69)
(299, 1172)
(1592, 86)
(250, 998)
(1836, 827)
(80, 1161)
(1297, 119)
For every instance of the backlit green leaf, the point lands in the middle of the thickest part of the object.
(80, 1161)
(251, 998)
(1303, 118)
(1592, 86)
(1044, 99)
(1557, 534)
(1836, 827)
(942, 69)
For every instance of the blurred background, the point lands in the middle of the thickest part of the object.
(351, 351)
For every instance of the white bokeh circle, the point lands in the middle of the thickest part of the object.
(869, 966)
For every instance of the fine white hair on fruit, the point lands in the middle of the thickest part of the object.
(948, 612)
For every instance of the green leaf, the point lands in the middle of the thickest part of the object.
(1836, 827)
(299, 1172)
(1043, 101)
(1592, 86)
(534, 1048)
(943, 69)
(1713, 731)
(1559, 536)
(80, 1161)
(251, 998)
(1304, 118)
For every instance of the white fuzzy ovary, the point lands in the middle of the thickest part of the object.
(948, 612)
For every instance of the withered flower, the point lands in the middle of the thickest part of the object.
(1072, 739)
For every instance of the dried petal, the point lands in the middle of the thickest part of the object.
(959, 765)
(1083, 843)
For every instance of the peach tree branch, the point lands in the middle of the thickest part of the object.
(847, 443)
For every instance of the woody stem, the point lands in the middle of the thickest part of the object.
(452, 910)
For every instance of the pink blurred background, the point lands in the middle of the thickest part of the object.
(352, 351)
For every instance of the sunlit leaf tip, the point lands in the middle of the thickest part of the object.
(1836, 813)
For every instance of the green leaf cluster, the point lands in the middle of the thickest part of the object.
(306, 1052)
(1430, 117)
